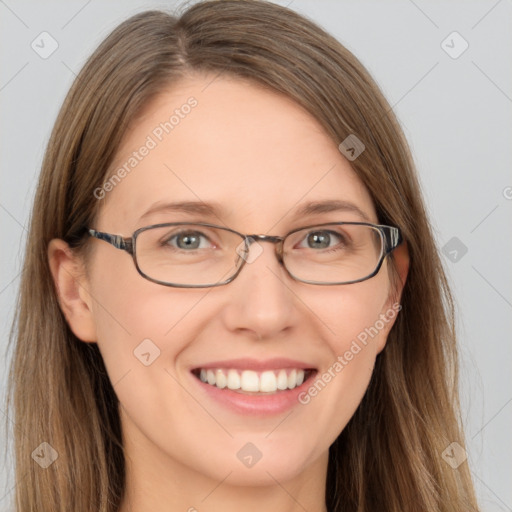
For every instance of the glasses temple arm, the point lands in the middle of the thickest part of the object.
(125, 244)
(393, 237)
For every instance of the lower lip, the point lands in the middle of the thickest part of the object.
(257, 405)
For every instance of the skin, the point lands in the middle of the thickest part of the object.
(260, 156)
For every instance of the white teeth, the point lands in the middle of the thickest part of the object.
(292, 378)
(249, 381)
(282, 380)
(233, 379)
(221, 380)
(266, 382)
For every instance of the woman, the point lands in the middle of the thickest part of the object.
(182, 364)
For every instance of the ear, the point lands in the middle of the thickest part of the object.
(401, 259)
(71, 285)
(392, 306)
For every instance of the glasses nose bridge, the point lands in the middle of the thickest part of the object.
(278, 240)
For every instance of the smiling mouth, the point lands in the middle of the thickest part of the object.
(253, 382)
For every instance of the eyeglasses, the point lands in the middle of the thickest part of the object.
(202, 255)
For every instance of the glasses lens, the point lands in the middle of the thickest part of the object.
(188, 254)
(333, 253)
(197, 255)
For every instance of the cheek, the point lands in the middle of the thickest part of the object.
(351, 312)
(353, 332)
(134, 317)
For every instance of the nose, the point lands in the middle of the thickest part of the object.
(260, 298)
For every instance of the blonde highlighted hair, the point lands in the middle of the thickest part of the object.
(388, 458)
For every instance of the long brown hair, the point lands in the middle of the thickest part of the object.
(388, 457)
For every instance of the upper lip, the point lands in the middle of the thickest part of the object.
(256, 365)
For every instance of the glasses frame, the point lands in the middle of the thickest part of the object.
(390, 235)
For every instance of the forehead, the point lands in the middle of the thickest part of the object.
(253, 152)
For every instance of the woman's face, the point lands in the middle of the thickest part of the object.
(258, 157)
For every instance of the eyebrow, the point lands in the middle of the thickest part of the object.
(215, 210)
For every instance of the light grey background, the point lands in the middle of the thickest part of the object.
(456, 113)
